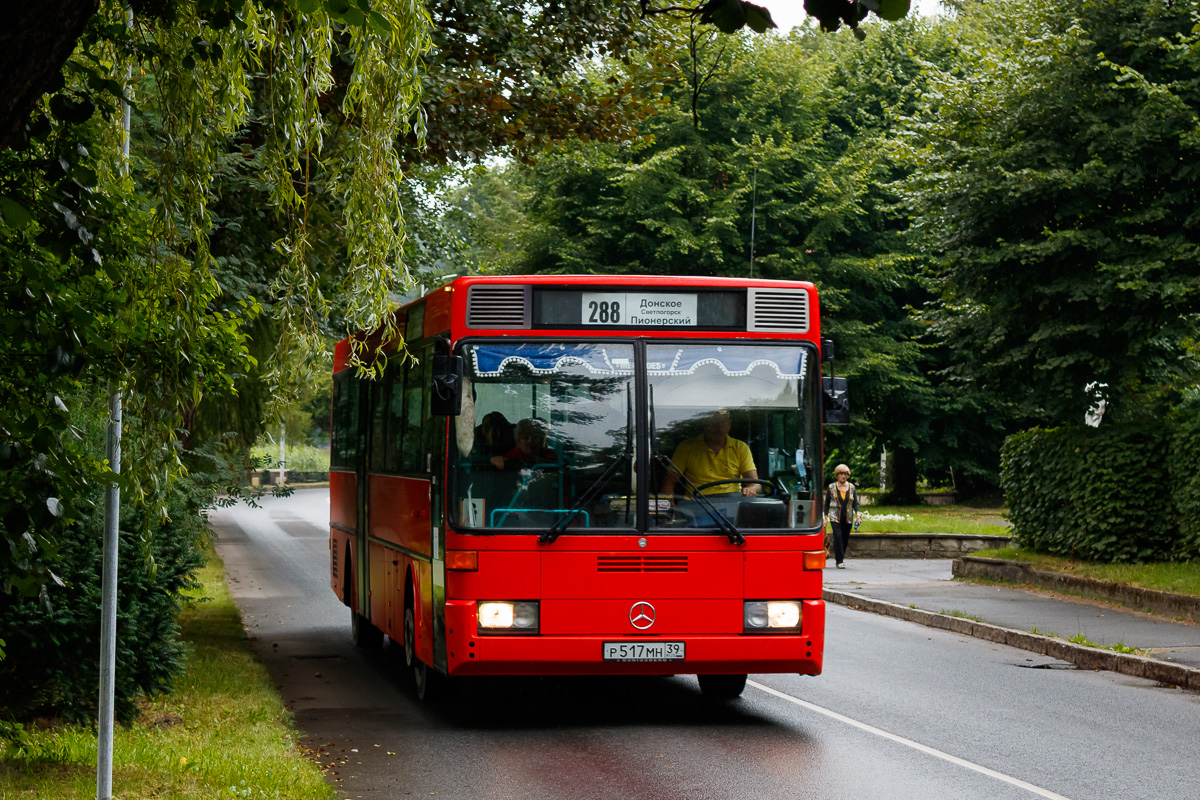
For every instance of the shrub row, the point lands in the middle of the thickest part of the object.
(52, 654)
(1122, 492)
(300, 457)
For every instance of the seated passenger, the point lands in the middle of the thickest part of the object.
(714, 455)
(494, 436)
(530, 449)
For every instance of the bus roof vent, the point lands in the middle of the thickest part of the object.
(784, 310)
(497, 306)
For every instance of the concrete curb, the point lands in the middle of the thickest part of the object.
(1083, 657)
(1165, 603)
(922, 545)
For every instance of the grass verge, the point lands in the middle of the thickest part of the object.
(934, 519)
(1181, 578)
(223, 733)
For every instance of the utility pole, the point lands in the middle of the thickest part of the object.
(112, 535)
(753, 215)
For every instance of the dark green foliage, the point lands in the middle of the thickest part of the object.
(793, 134)
(1098, 494)
(506, 76)
(53, 642)
(1056, 181)
(52, 638)
(1185, 477)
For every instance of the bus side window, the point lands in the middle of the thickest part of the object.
(395, 414)
(379, 399)
(344, 421)
(416, 379)
(434, 428)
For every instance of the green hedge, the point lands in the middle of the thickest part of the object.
(1118, 493)
(300, 457)
(52, 642)
(1185, 478)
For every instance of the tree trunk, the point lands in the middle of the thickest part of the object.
(35, 41)
(903, 478)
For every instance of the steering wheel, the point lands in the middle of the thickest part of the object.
(741, 482)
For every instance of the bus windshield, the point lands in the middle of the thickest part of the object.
(547, 436)
(738, 425)
(541, 424)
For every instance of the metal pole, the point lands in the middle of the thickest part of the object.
(112, 540)
(753, 215)
(108, 606)
(282, 453)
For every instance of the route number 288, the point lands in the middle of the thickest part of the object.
(604, 312)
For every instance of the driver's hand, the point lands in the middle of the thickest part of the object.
(750, 491)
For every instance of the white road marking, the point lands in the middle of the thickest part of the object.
(991, 773)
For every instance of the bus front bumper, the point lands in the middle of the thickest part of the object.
(469, 652)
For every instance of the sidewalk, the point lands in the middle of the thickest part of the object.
(924, 591)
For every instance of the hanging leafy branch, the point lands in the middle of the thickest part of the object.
(107, 276)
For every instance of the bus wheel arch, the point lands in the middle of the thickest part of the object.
(422, 674)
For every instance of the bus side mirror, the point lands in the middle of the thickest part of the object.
(836, 401)
(447, 386)
(827, 350)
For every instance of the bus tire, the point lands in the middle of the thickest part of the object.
(422, 678)
(410, 634)
(722, 687)
(363, 633)
(346, 577)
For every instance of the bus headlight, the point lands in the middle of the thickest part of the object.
(764, 615)
(508, 616)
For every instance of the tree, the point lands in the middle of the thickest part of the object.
(794, 132)
(498, 50)
(108, 273)
(1054, 179)
(37, 40)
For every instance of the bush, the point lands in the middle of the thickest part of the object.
(1185, 478)
(52, 653)
(300, 457)
(1087, 492)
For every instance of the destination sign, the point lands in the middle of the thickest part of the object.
(638, 309)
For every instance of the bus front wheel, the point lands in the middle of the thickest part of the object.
(410, 633)
(421, 672)
(722, 687)
(421, 677)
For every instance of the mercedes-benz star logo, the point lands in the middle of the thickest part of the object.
(641, 615)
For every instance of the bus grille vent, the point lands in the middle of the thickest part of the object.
(783, 310)
(491, 306)
(333, 561)
(641, 563)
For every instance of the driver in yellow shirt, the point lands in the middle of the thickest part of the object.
(714, 455)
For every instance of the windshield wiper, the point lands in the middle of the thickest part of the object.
(719, 519)
(598, 485)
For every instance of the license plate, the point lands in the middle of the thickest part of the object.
(643, 651)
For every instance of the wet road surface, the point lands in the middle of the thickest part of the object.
(901, 711)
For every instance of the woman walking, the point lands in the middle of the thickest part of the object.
(841, 509)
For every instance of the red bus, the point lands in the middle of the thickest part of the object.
(505, 498)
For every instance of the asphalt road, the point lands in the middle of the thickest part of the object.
(902, 711)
